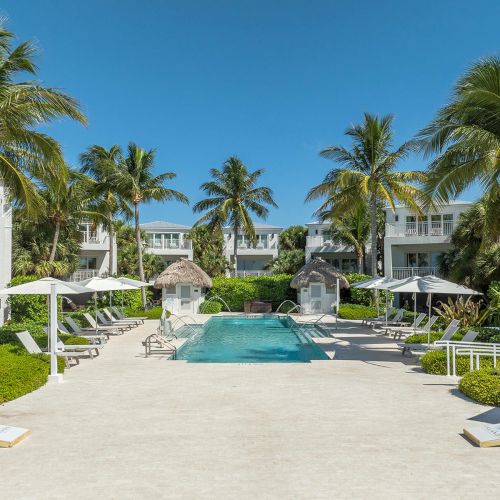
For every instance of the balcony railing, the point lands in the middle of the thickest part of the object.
(319, 241)
(243, 274)
(260, 245)
(90, 237)
(401, 273)
(424, 228)
(83, 274)
(171, 244)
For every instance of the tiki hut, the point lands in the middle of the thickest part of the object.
(318, 286)
(183, 285)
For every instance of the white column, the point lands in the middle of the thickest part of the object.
(54, 376)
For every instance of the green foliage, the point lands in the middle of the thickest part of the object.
(482, 386)
(31, 307)
(494, 305)
(21, 372)
(211, 307)
(73, 339)
(422, 338)
(287, 262)
(469, 312)
(434, 362)
(235, 291)
(360, 296)
(208, 249)
(293, 238)
(356, 311)
(153, 313)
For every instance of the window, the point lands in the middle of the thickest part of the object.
(315, 291)
(396, 218)
(170, 290)
(88, 262)
(418, 259)
(185, 291)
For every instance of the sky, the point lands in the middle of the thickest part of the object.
(270, 81)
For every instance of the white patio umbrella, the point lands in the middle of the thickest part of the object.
(432, 285)
(97, 284)
(51, 287)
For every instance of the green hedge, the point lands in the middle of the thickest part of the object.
(211, 307)
(356, 311)
(360, 296)
(27, 307)
(421, 338)
(153, 313)
(482, 386)
(21, 373)
(434, 362)
(236, 291)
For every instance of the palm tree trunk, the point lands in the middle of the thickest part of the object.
(55, 241)
(111, 246)
(373, 228)
(139, 252)
(359, 255)
(235, 249)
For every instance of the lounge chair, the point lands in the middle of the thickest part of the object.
(120, 315)
(78, 332)
(132, 322)
(33, 348)
(395, 321)
(90, 349)
(116, 330)
(413, 326)
(419, 349)
(105, 322)
(410, 330)
(390, 311)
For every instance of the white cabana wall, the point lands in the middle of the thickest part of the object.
(183, 298)
(318, 298)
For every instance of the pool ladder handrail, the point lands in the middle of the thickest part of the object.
(156, 338)
(215, 297)
(181, 319)
(295, 306)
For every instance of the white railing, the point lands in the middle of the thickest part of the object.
(259, 245)
(90, 237)
(424, 228)
(401, 273)
(243, 274)
(320, 241)
(171, 244)
(83, 274)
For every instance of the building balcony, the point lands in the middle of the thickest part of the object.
(243, 274)
(401, 273)
(85, 274)
(171, 245)
(420, 229)
(325, 244)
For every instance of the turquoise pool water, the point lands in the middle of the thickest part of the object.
(249, 340)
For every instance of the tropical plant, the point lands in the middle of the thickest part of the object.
(287, 262)
(366, 174)
(465, 135)
(233, 196)
(136, 183)
(25, 153)
(293, 238)
(103, 165)
(208, 249)
(469, 312)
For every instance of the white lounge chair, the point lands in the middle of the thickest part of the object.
(78, 332)
(117, 330)
(120, 315)
(33, 348)
(132, 322)
(418, 349)
(409, 330)
(105, 322)
(390, 311)
(414, 326)
(396, 320)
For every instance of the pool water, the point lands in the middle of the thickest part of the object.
(248, 340)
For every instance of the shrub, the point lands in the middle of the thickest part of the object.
(153, 313)
(21, 373)
(482, 386)
(356, 311)
(8, 334)
(422, 338)
(434, 362)
(236, 291)
(27, 307)
(211, 307)
(358, 295)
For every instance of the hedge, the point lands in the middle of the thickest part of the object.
(153, 313)
(211, 307)
(356, 311)
(24, 307)
(236, 291)
(21, 372)
(434, 362)
(482, 386)
(422, 338)
(359, 295)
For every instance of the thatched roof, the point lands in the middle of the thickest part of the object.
(183, 271)
(318, 271)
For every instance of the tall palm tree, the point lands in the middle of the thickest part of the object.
(465, 134)
(233, 197)
(366, 174)
(136, 183)
(24, 152)
(103, 165)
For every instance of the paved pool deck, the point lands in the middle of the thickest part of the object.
(368, 424)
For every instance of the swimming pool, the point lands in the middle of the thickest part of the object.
(250, 340)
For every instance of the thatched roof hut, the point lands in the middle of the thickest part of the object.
(318, 271)
(183, 271)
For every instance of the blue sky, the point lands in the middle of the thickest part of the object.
(271, 81)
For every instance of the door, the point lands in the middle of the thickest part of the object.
(316, 297)
(186, 298)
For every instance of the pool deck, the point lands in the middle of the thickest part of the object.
(367, 424)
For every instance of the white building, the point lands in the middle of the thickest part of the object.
(319, 244)
(94, 253)
(168, 240)
(5, 248)
(253, 257)
(413, 243)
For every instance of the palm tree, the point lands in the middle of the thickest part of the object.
(103, 164)
(135, 183)
(233, 196)
(352, 229)
(24, 152)
(465, 134)
(366, 174)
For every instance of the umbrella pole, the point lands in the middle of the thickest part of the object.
(386, 307)
(95, 308)
(338, 305)
(429, 331)
(54, 376)
(376, 300)
(415, 312)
